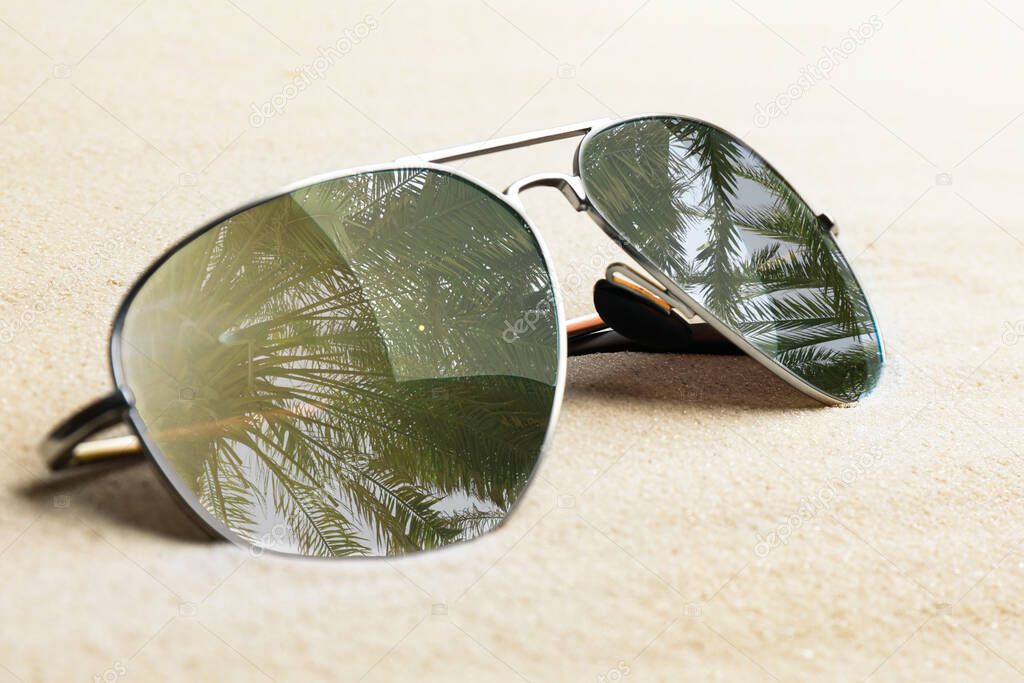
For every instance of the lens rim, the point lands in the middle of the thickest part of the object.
(184, 494)
(707, 316)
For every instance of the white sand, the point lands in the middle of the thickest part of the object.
(636, 549)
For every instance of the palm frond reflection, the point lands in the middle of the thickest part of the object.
(331, 363)
(712, 216)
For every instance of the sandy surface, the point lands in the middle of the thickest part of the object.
(635, 556)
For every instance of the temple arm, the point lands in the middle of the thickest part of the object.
(633, 314)
(66, 445)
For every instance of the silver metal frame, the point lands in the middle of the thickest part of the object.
(59, 446)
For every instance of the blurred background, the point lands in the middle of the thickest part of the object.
(639, 554)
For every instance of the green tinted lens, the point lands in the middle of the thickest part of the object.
(703, 209)
(364, 366)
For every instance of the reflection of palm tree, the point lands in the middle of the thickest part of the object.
(324, 417)
(735, 236)
(717, 158)
(820, 322)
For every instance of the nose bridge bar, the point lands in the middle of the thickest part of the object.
(475, 149)
(570, 186)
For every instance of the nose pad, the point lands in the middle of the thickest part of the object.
(640, 315)
(643, 312)
(571, 187)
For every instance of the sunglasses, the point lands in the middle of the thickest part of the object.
(370, 362)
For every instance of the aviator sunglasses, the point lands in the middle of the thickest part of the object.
(370, 362)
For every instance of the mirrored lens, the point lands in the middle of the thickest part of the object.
(703, 209)
(365, 366)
